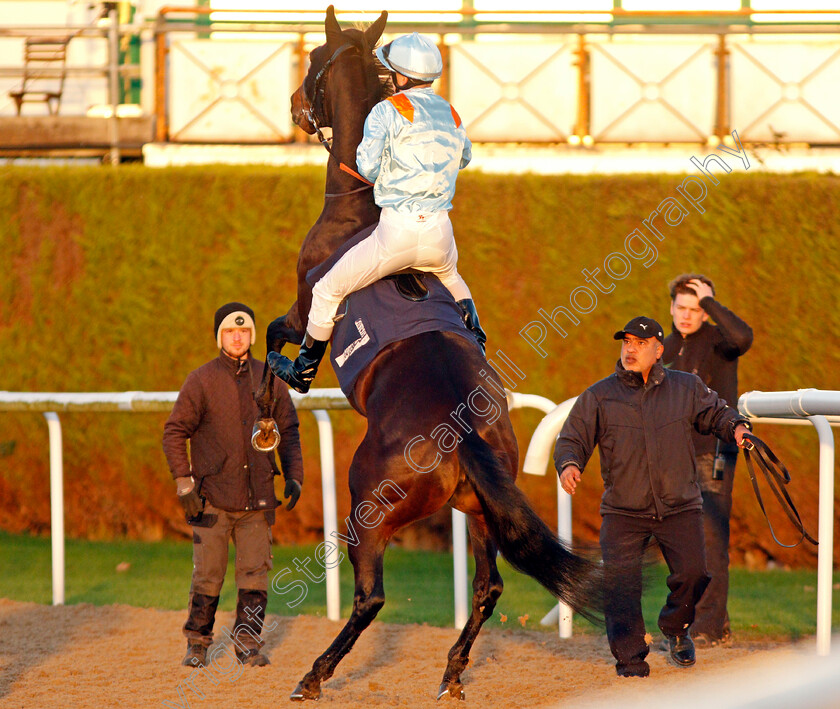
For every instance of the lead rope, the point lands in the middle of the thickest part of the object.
(776, 480)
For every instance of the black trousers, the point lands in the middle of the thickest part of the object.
(623, 543)
(711, 616)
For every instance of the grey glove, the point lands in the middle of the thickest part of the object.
(291, 493)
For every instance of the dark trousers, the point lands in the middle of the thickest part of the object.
(623, 543)
(711, 615)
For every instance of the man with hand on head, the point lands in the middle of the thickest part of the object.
(226, 486)
(711, 352)
(641, 418)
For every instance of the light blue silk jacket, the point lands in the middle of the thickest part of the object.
(413, 147)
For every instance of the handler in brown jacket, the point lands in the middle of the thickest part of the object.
(227, 487)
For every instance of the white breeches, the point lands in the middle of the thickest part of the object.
(423, 242)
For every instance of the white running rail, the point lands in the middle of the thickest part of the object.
(319, 401)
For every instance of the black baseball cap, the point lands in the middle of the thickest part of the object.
(641, 327)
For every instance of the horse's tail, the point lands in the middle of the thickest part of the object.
(524, 540)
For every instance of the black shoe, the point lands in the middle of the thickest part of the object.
(471, 321)
(681, 650)
(252, 657)
(300, 373)
(196, 655)
(636, 669)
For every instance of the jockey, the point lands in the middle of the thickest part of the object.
(413, 147)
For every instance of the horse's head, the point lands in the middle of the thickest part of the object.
(311, 104)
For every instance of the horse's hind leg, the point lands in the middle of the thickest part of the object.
(366, 555)
(487, 587)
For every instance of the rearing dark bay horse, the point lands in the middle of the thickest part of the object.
(411, 388)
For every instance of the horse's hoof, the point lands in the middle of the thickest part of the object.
(452, 691)
(301, 694)
(265, 436)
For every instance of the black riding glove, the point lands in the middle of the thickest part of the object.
(291, 493)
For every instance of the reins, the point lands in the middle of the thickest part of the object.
(310, 112)
(777, 476)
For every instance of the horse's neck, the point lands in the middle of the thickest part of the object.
(345, 216)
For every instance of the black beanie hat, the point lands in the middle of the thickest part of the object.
(234, 315)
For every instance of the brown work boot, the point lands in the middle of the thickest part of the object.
(196, 655)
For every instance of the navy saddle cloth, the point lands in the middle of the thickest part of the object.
(380, 314)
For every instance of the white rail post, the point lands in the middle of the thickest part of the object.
(325, 436)
(459, 563)
(564, 531)
(537, 459)
(825, 533)
(56, 507)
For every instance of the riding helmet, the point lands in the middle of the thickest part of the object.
(412, 55)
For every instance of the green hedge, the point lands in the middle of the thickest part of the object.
(110, 279)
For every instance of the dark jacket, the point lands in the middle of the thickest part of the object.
(216, 411)
(643, 433)
(712, 354)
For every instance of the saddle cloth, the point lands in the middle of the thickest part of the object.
(377, 315)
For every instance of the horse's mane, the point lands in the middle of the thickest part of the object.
(377, 76)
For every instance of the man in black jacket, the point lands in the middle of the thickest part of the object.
(641, 418)
(711, 352)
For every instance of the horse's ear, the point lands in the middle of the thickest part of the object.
(374, 32)
(333, 29)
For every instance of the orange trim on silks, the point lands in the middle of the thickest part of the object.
(455, 116)
(403, 104)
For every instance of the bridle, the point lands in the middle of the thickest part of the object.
(311, 108)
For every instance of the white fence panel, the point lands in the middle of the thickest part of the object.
(649, 90)
(786, 90)
(514, 91)
(230, 91)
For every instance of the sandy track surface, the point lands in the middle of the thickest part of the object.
(85, 656)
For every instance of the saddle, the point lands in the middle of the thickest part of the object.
(410, 284)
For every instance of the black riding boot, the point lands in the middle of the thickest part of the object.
(300, 373)
(471, 321)
(250, 615)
